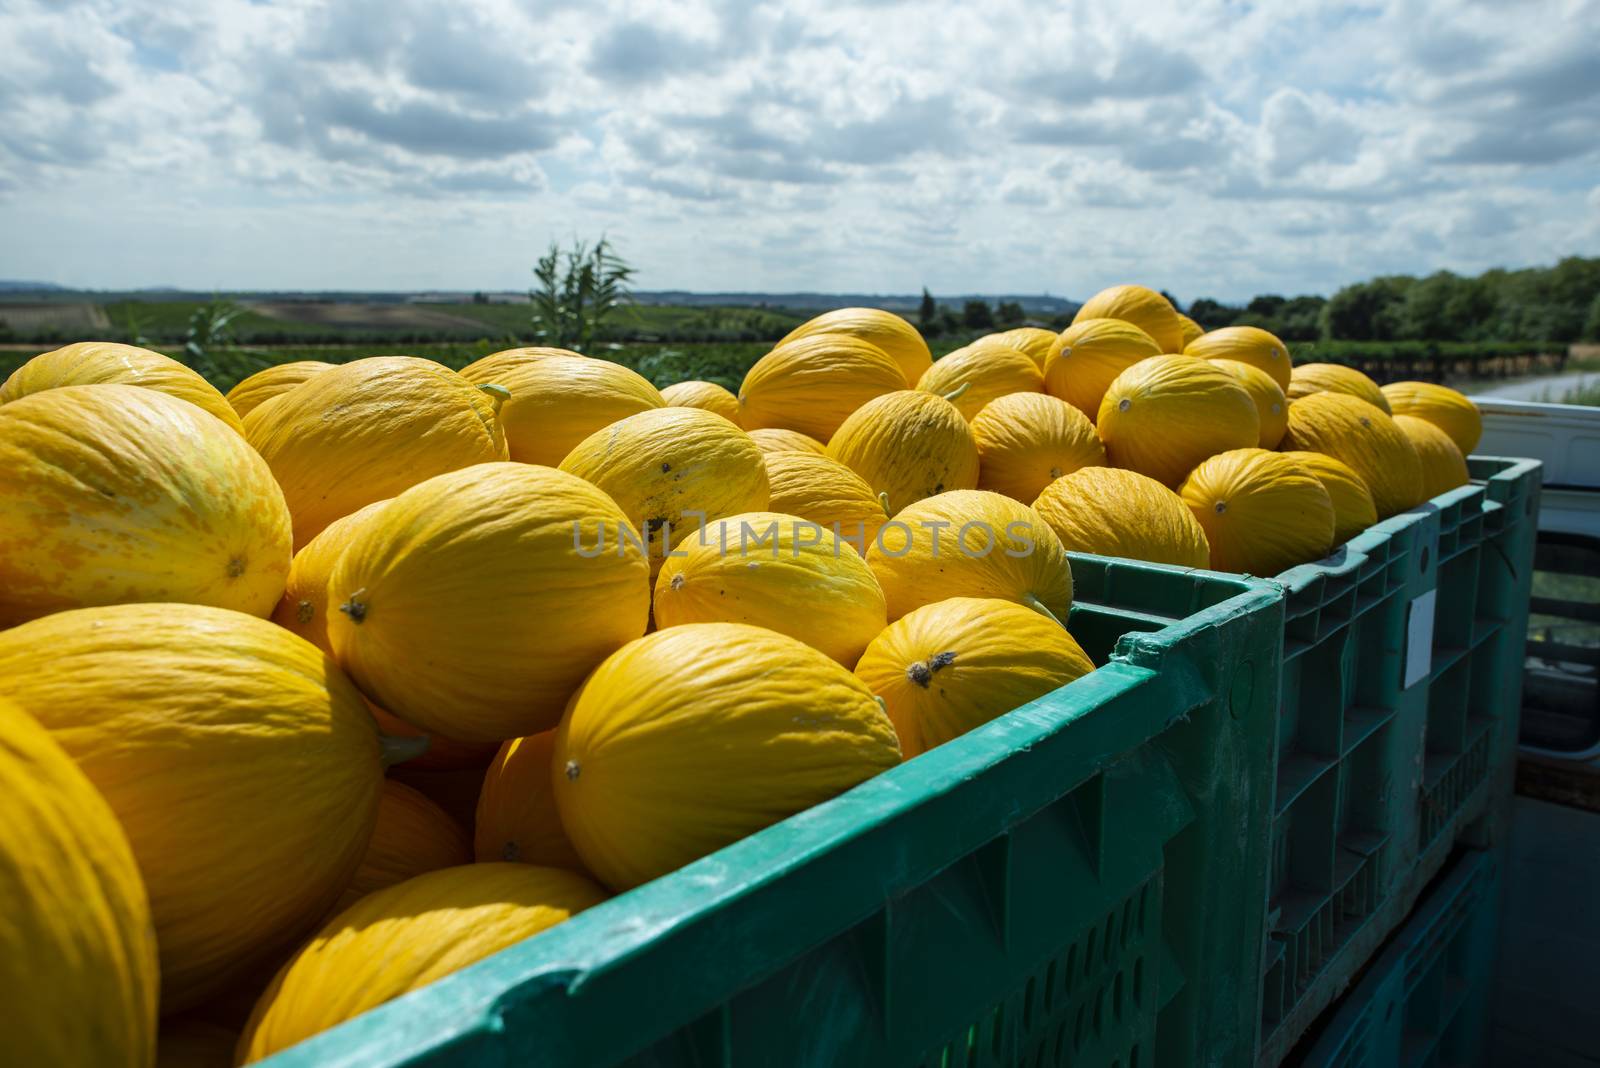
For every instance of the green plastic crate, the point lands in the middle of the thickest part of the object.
(1393, 743)
(1424, 1001)
(1073, 882)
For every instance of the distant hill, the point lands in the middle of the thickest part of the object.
(1034, 302)
(8, 285)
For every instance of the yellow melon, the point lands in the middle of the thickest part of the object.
(1028, 440)
(1246, 344)
(896, 337)
(671, 470)
(274, 381)
(1353, 431)
(773, 439)
(192, 1042)
(974, 376)
(77, 950)
(111, 494)
(1033, 340)
(303, 608)
(1089, 355)
(707, 395)
(1309, 378)
(200, 725)
(908, 445)
(1111, 512)
(1443, 466)
(1162, 416)
(1353, 510)
(1450, 411)
(369, 429)
(971, 543)
(693, 737)
(474, 603)
(510, 358)
(1272, 407)
(826, 492)
(557, 400)
(88, 363)
(404, 937)
(956, 664)
(412, 835)
(517, 818)
(782, 572)
(1262, 512)
(811, 384)
(1189, 329)
(1144, 308)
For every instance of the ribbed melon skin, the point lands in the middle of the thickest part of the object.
(77, 947)
(811, 383)
(704, 395)
(976, 375)
(1089, 355)
(1353, 510)
(1363, 438)
(1111, 512)
(693, 737)
(1245, 344)
(112, 494)
(1262, 512)
(908, 445)
(1443, 466)
(948, 667)
(1028, 440)
(1163, 416)
(1189, 328)
(412, 835)
(901, 341)
(271, 383)
(87, 363)
(559, 398)
(825, 491)
(775, 439)
(1143, 307)
(1033, 340)
(1272, 407)
(516, 817)
(1445, 408)
(1309, 378)
(233, 753)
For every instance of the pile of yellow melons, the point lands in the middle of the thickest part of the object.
(315, 693)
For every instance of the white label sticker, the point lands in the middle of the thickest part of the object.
(1419, 639)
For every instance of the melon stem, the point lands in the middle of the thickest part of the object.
(955, 394)
(500, 394)
(1038, 606)
(393, 749)
(883, 502)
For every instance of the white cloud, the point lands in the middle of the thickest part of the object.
(1199, 146)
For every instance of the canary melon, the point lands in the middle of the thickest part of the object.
(777, 571)
(1033, 341)
(1353, 431)
(200, 725)
(474, 603)
(706, 395)
(1111, 512)
(1309, 378)
(404, 937)
(89, 363)
(1164, 415)
(811, 384)
(1144, 308)
(270, 383)
(1272, 407)
(672, 470)
(412, 836)
(77, 950)
(827, 493)
(908, 445)
(1262, 512)
(111, 494)
(1189, 329)
(369, 429)
(557, 400)
(897, 338)
(974, 376)
(773, 439)
(506, 359)
(1089, 355)
(1450, 411)
(693, 737)
(1353, 510)
(517, 818)
(1443, 466)
(1246, 344)
(1028, 440)
(950, 666)
(971, 543)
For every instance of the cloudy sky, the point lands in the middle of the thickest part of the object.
(1212, 148)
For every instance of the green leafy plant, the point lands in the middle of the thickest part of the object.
(579, 288)
(209, 332)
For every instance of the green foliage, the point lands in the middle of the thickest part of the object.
(1009, 313)
(977, 315)
(926, 310)
(208, 331)
(579, 288)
